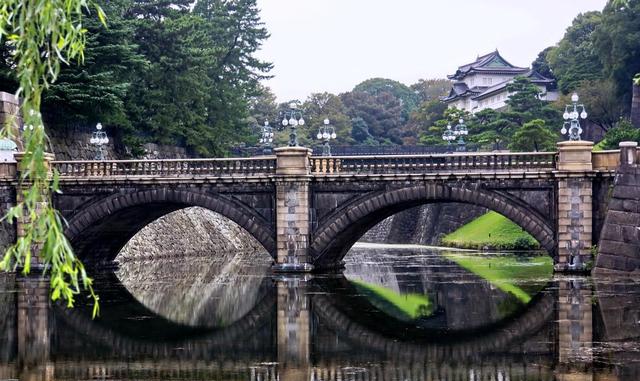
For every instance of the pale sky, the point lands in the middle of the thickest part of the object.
(332, 45)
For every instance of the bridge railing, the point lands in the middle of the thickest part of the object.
(429, 163)
(168, 168)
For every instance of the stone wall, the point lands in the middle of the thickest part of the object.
(202, 254)
(190, 232)
(635, 106)
(620, 238)
(7, 230)
(425, 224)
(73, 144)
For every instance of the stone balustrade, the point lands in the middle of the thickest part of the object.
(167, 168)
(400, 164)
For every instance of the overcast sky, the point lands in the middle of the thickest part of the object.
(332, 45)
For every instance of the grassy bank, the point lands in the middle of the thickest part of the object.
(402, 306)
(491, 230)
(510, 274)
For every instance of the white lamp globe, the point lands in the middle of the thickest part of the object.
(293, 122)
(575, 97)
(319, 135)
(99, 126)
(284, 122)
(301, 122)
(333, 136)
(325, 135)
(566, 115)
(326, 121)
(563, 131)
(583, 114)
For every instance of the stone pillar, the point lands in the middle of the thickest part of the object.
(10, 115)
(575, 330)
(628, 153)
(575, 206)
(635, 106)
(22, 222)
(293, 178)
(33, 329)
(294, 329)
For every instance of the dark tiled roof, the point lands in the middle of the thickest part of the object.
(460, 89)
(533, 76)
(489, 63)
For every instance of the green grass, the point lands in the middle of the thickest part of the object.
(402, 306)
(521, 277)
(491, 230)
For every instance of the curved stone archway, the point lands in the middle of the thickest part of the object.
(337, 232)
(101, 229)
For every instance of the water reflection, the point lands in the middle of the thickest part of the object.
(393, 315)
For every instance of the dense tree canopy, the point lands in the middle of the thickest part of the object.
(173, 72)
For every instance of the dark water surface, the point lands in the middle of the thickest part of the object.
(396, 313)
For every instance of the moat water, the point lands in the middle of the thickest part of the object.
(396, 313)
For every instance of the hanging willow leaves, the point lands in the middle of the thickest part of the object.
(42, 35)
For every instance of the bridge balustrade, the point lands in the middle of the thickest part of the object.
(168, 168)
(399, 164)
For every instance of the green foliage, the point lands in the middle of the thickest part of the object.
(431, 89)
(534, 136)
(541, 64)
(624, 131)
(320, 106)
(599, 97)
(171, 72)
(40, 35)
(360, 132)
(403, 306)
(617, 41)
(491, 230)
(377, 86)
(383, 113)
(424, 118)
(508, 273)
(575, 58)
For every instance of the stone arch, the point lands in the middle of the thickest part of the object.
(198, 343)
(498, 339)
(339, 231)
(105, 226)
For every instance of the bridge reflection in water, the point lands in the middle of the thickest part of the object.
(393, 315)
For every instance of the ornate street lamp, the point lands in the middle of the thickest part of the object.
(99, 139)
(448, 136)
(572, 118)
(461, 131)
(266, 138)
(326, 133)
(293, 119)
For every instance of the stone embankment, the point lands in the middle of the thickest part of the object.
(202, 254)
(619, 248)
(425, 224)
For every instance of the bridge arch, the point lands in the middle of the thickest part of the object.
(337, 232)
(103, 227)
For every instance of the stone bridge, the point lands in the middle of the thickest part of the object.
(307, 211)
(553, 335)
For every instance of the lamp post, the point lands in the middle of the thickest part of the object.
(326, 133)
(448, 136)
(266, 138)
(461, 131)
(572, 118)
(99, 139)
(293, 119)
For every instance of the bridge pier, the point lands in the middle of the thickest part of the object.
(293, 179)
(294, 328)
(575, 206)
